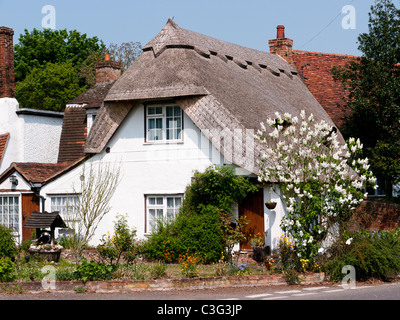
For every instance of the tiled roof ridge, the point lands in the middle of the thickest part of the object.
(324, 53)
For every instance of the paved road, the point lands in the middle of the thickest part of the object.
(390, 291)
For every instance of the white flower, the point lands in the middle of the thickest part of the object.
(348, 242)
(321, 250)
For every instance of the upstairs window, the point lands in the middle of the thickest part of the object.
(163, 123)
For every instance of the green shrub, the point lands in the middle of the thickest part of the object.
(121, 243)
(198, 226)
(372, 254)
(8, 247)
(92, 271)
(7, 270)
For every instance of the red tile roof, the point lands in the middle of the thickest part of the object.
(3, 144)
(315, 68)
(39, 173)
(73, 135)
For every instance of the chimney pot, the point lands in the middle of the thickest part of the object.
(107, 70)
(280, 32)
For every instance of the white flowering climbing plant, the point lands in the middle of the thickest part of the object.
(322, 180)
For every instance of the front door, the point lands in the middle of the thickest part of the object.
(30, 203)
(252, 207)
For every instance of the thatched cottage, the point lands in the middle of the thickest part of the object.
(188, 102)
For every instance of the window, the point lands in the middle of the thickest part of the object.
(65, 205)
(9, 212)
(161, 207)
(164, 123)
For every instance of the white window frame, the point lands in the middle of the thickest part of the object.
(16, 206)
(159, 206)
(65, 205)
(159, 114)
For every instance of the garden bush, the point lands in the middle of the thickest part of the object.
(7, 243)
(372, 254)
(120, 244)
(91, 271)
(7, 270)
(198, 226)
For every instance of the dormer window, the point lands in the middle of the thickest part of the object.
(90, 116)
(163, 123)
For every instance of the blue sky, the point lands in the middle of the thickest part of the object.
(314, 25)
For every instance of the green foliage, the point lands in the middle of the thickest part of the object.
(197, 227)
(50, 87)
(121, 243)
(92, 271)
(7, 270)
(7, 243)
(216, 186)
(372, 84)
(158, 270)
(372, 254)
(37, 48)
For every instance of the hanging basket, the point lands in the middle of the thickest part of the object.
(270, 205)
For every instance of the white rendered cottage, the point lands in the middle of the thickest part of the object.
(188, 102)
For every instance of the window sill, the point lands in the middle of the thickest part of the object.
(148, 143)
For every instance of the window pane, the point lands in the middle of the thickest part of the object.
(170, 202)
(159, 213)
(152, 214)
(152, 201)
(160, 201)
(177, 111)
(178, 202)
(170, 111)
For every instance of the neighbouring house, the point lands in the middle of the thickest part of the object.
(188, 102)
(26, 135)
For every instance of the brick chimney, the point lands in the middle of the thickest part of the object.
(282, 46)
(7, 80)
(107, 70)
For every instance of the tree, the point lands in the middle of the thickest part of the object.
(126, 53)
(36, 48)
(98, 185)
(50, 87)
(48, 64)
(321, 180)
(372, 84)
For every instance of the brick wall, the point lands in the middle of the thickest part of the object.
(378, 214)
(7, 80)
(107, 70)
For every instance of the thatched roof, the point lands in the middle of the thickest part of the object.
(220, 86)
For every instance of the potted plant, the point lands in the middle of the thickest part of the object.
(260, 250)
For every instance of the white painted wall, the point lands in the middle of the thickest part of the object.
(33, 138)
(9, 122)
(146, 168)
(273, 218)
(151, 169)
(41, 138)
